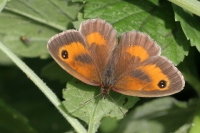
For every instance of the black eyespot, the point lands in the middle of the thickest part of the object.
(162, 84)
(64, 54)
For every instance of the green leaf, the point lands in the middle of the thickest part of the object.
(189, 24)
(108, 125)
(190, 5)
(162, 115)
(79, 1)
(2, 4)
(92, 112)
(4, 60)
(13, 121)
(145, 16)
(80, 20)
(36, 21)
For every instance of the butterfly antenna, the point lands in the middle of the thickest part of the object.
(89, 100)
(116, 105)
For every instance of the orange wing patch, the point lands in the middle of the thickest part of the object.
(138, 51)
(74, 49)
(156, 75)
(79, 59)
(96, 38)
(130, 83)
(145, 78)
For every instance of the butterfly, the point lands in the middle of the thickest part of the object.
(131, 66)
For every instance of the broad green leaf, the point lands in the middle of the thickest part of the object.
(2, 4)
(80, 19)
(162, 115)
(79, 1)
(26, 26)
(92, 112)
(3, 58)
(12, 121)
(189, 24)
(108, 125)
(190, 5)
(145, 16)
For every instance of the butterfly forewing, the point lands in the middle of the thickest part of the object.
(101, 39)
(69, 50)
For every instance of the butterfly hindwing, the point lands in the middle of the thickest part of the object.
(143, 72)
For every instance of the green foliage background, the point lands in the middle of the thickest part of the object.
(27, 25)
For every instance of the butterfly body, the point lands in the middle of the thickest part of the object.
(134, 66)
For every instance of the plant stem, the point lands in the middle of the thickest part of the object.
(44, 88)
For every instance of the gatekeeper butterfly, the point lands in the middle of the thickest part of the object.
(133, 66)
